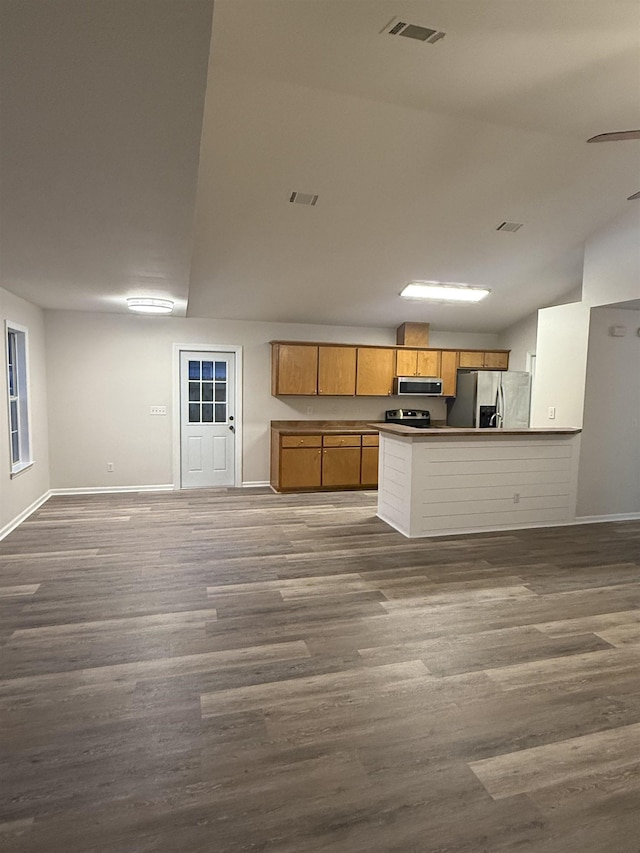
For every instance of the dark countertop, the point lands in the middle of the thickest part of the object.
(324, 427)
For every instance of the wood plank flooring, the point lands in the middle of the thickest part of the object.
(226, 671)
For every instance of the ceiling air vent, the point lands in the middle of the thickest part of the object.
(303, 198)
(396, 27)
(509, 226)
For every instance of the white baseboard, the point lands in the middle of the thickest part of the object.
(112, 490)
(6, 530)
(597, 519)
(255, 484)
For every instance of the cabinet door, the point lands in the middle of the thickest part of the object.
(496, 360)
(369, 471)
(337, 371)
(428, 363)
(300, 468)
(406, 362)
(341, 466)
(296, 369)
(449, 373)
(471, 359)
(375, 371)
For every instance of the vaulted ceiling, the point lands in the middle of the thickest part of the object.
(146, 152)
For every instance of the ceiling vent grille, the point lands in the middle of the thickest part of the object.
(396, 27)
(303, 198)
(510, 226)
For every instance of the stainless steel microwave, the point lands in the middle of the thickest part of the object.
(427, 386)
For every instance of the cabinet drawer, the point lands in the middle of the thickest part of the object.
(341, 441)
(300, 440)
(370, 440)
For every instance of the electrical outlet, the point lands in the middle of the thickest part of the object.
(110, 467)
(158, 410)
(309, 410)
(516, 498)
(552, 412)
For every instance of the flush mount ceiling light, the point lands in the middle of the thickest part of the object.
(441, 291)
(142, 305)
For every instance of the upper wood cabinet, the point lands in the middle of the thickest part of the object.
(484, 360)
(449, 372)
(496, 360)
(337, 371)
(411, 362)
(294, 369)
(340, 370)
(375, 371)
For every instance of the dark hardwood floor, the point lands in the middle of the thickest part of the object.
(235, 671)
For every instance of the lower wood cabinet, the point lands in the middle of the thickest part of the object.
(341, 466)
(330, 461)
(369, 467)
(300, 462)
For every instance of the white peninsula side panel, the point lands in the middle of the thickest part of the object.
(440, 483)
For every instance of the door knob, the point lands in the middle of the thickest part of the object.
(232, 428)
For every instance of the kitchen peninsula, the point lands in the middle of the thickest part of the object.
(449, 481)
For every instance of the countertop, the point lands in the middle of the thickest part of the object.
(450, 432)
(324, 427)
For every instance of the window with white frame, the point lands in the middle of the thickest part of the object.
(18, 396)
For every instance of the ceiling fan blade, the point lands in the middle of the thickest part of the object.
(634, 196)
(615, 137)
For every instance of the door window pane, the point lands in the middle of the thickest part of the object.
(194, 413)
(207, 391)
(194, 370)
(221, 392)
(194, 391)
(221, 413)
(207, 413)
(207, 370)
(221, 371)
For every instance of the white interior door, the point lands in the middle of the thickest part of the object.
(207, 419)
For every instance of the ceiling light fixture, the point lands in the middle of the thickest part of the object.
(441, 291)
(142, 305)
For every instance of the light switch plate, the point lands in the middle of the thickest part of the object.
(158, 410)
(552, 412)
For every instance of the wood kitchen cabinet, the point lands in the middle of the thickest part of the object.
(411, 362)
(496, 360)
(375, 371)
(342, 370)
(337, 371)
(294, 369)
(341, 457)
(300, 462)
(449, 372)
(369, 464)
(331, 460)
(493, 360)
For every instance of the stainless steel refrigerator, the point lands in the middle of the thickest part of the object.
(491, 398)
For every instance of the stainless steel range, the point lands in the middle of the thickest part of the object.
(420, 418)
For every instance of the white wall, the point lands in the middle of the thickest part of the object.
(106, 370)
(30, 485)
(612, 261)
(561, 363)
(609, 480)
(521, 340)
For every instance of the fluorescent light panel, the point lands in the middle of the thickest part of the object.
(143, 305)
(444, 291)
